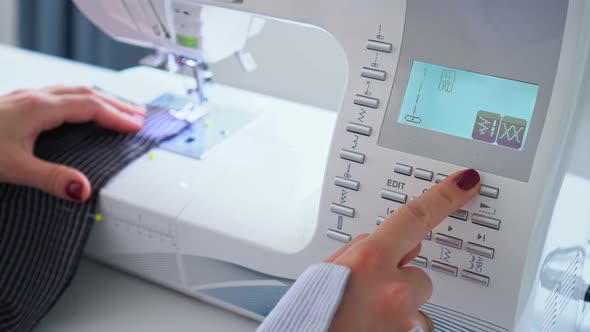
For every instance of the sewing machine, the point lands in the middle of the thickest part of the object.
(273, 188)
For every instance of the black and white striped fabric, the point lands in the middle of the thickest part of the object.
(42, 237)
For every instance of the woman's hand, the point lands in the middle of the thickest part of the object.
(383, 294)
(24, 114)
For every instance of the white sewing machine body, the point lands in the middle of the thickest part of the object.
(287, 189)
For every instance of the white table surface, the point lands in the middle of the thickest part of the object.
(102, 299)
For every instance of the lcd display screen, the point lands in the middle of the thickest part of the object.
(470, 105)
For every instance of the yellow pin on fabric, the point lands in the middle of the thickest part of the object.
(152, 156)
(208, 123)
(98, 217)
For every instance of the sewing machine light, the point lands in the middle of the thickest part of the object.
(190, 62)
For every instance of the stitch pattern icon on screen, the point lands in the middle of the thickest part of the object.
(447, 80)
(511, 133)
(486, 126)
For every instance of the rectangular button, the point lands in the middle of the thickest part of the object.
(359, 129)
(375, 45)
(444, 268)
(489, 191)
(338, 236)
(440, 177)
(403, 169)
(485, 221)
(428, 236)
(420, 261)
(448, 241)
(373, 73)
(476, 249)
(476, 278)
(423, 174)
(460, 214)
(347, 183)
(394, 196)
(352, 156)
(366, 101)
(342, 210)
(380, 220)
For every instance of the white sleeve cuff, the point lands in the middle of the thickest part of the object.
(311, 302)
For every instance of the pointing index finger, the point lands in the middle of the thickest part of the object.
(403, 230)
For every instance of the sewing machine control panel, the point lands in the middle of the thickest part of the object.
(464, 245)
(420, 112)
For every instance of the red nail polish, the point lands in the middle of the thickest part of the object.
(74, 190)
(467, 180)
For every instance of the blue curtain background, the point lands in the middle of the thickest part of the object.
(58, 28)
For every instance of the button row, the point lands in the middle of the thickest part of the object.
(420, 173)
(361, 130)
(477, 219)
(472, 248)
(484, 190)
(451, 271)
(435, 265)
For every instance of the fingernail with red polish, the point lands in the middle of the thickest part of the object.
(467, 180)
(74, 190)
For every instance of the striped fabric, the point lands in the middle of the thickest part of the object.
(310, 304)
(42, 237)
